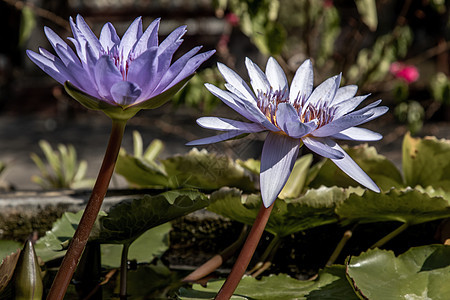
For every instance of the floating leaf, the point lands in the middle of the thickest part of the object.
(406, 206)
(153, 243)
(204, 170)
(129, 219)
(50, 246)
(426, 162)
(420, 273)
(330, 284)
(378, 167)
(313, 209)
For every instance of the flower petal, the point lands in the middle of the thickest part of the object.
(325, 92)
(358, 134)
(190, 67)
(348, 105)
(173, 38)
(148, 39)
(258, 79)
(236, 81)
(106, 75)
(277, 160)
(142, 71)
(345, 93)
(340, 124)
(227, 124)
(217, 138)
(125, 93)
(323, 147)
(349, 167)
(108, 37)
(55, 40)
(302, 84)
(130, 37)
(232, 101)
(289, 122)
(90, 37)
(55, 68)
(276, 76)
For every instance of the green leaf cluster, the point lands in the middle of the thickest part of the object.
(62, 169)
(196, 169)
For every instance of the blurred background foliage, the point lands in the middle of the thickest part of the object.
(360, 38)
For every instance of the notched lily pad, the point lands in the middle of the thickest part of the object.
(288, 216)
(426, 162)
(410, 206)
(330, 284)
(127, 220)
(420, 273)
(378, 167)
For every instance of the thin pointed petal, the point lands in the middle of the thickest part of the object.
(130, 37)
(349, 167)
(277, 160)
(89, 36)
(217, 138)
(258, 79)
(302, 84)
(358, 134)
(236, 81)
(345, 93)
(325, 92)
(340, 124)
(106, 75)
(323, 147)
(149, 39)
(227, 124)
(276, 76)
(108, 37)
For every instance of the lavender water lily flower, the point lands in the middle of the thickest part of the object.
(119, 76)
(293, 116)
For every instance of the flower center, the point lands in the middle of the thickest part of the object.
(268, 102)
(121, 63)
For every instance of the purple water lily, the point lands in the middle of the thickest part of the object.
(293, 116)
(120, 72)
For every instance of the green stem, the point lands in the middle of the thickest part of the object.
(123, 272)
(345, 237)
(84, 228)
(246, 254)
(390, 236)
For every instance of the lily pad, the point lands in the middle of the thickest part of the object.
(378, 167)
(208, 171)
(420, 273)
(426, 162)
(129, 219)
(330, 284)
(50, 247)
(153, 243)
(407, 206)
(288, 216)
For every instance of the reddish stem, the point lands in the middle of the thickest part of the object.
(246, 254)
(84, 228)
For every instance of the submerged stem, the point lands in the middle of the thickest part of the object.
(390, 236)
(123, 272)
(84, 228)
(246, 254)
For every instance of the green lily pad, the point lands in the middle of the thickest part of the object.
(50, 247)
(378, 167)
(407, 206)
(153, 243)
(129, 219)
(420, 273)
(426, 162)
(330, 284)
(288, 216)
(210, 171)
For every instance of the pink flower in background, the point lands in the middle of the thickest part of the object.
(232, 18)
(409, 73)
